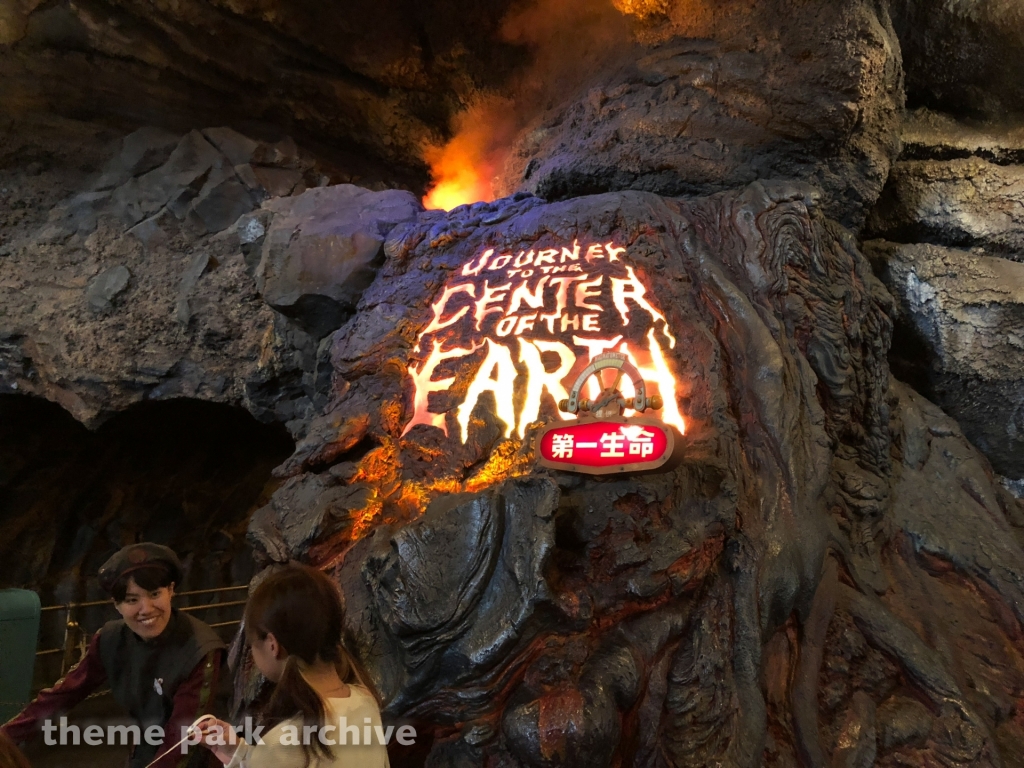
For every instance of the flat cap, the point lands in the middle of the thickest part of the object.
(136, 556)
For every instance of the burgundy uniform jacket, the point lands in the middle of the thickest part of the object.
(190, 699)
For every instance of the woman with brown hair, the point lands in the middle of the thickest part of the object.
(321, 714)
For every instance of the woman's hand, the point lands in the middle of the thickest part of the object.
(220, 738)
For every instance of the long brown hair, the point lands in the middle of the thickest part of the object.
(302, 608)
(10, 755)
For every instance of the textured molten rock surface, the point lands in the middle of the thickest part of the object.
(827, 573)
(951, 223)
(712, 96)
(960, 318)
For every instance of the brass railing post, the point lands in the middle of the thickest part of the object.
(71, 632)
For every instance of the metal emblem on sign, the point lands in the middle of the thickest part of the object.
(603, 441)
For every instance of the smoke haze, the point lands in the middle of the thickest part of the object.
(567, 43)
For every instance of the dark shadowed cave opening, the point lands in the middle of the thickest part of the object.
(184, 473)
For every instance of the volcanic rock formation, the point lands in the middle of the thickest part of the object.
(367, 82)
(950, 249)
(146, 284)
(829, 571)
(772, 598)
(714, 98)
(961, 316)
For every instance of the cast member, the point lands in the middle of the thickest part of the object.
(161, 665)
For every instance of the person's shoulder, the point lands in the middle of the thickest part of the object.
(112, 627)
(109, 642)
(206, 637)
(194, 625)
(196, 640)
(361, 692)
(359, 700)
(111, 634)
(273, 736)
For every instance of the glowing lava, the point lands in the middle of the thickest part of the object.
(459, 175)
(463, 170)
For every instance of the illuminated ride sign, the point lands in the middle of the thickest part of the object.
(605, 442)
(509, 331)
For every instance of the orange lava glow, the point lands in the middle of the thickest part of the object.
(567, 40)
(411, 499)
(641, 8)
(379, 468)
(504, 462)
(458, 177)
(365, 518)
(444, 485)
(463, 170)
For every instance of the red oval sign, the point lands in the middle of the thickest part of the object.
(605, 446)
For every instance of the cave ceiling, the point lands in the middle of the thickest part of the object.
(376, 82)
(364, 76)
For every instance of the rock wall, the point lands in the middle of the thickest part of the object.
(145, 281)
(963, 57)
(955, 184)
(960, 339)
(951, 239)
(366, 82)
(182, 472)
(711, 98)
